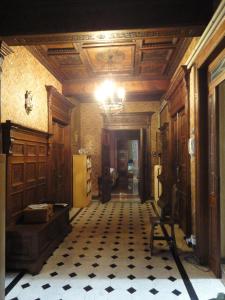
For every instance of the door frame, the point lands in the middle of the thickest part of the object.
(138, 139)
(133, 121)
(59, 110)
(203, 228)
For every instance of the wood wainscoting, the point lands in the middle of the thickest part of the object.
(26, 168)
(179, 173)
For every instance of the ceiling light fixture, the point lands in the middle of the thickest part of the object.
(109, 96)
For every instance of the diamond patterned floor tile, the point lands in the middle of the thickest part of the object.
(106, 238)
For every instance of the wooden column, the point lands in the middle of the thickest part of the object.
(4, 51)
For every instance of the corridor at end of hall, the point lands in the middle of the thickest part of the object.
(106, 256)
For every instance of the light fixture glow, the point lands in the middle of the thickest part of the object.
(110, 97)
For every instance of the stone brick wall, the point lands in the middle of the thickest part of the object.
(22, 72)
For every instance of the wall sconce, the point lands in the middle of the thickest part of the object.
(28, 102)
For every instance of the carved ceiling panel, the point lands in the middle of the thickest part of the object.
(129, 58)
(159, 55)
(153, 69)
(112, 59)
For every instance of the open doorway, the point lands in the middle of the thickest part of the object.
(124, 162)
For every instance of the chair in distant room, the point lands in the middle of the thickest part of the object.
(170, 220)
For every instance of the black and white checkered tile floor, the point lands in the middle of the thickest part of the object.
(106, 256)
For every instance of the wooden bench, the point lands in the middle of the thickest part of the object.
(29, 245)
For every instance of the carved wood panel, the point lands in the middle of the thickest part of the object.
(27, 164)
(60, 158)
(178, 105)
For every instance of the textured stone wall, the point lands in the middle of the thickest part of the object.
(91, 124)
(21, 72)
(75, 127)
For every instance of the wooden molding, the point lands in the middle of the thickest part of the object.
(178, 91)
(177, 56)
(4, 49)
(49, 66)
(59, 106)
(101, 36)
(127, 120)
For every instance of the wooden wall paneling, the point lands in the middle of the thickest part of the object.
(60, 156)
(202, 236)
(164, 177)
(210, 51)
(213, 186)
(178, 104)
(216, 75)
(26, 151)
(149, 165)
(144, 171)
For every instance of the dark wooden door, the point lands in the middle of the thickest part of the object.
(182, 172)
(143, 169)
(122, 160)
(180, 161)
(58, 162)
(213, 200)
(105, 178)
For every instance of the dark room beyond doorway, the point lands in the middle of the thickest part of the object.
(124, 162)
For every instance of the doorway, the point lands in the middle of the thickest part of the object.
(124, 162)
(129, 126)
(58, 161)
(216, 163)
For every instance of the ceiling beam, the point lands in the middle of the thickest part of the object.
(144, 89)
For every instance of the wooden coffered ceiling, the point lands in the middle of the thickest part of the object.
(142, 65)
(142, 60)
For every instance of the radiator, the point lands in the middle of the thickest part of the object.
(157, 183)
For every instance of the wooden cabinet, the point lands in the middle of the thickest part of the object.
(29, 245)
(81, 180)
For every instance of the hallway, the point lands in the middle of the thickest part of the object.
(106, 256)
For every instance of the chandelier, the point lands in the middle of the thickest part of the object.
(110, 97)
